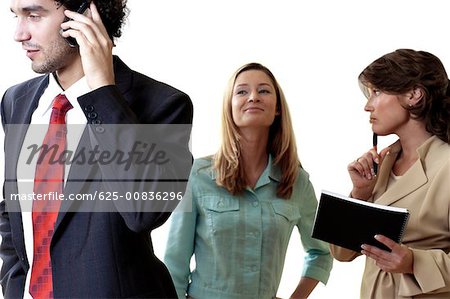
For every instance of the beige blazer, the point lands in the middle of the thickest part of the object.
(425, 190)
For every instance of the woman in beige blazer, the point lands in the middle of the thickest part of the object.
(408, 95)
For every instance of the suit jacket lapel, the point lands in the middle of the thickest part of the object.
(17, 120)
(26, 100)
(20, 118)
(412, 180)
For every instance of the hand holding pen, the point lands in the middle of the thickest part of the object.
(363, 171)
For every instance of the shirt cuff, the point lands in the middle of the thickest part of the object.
(317, 273)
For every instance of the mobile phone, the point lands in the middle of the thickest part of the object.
(81, 10)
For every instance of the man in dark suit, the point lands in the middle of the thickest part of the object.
(100, 249)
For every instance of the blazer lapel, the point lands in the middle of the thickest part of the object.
(412, 180)
(26, 100)
(17, 121)
(20, 117)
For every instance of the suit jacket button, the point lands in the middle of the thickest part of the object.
(96, 122)
(99, 129)
(92, 115)
(89, 108)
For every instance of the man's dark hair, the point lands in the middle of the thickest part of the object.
(112, 12)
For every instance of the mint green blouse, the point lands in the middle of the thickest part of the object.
(240, 242)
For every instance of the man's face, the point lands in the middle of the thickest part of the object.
(38, 29)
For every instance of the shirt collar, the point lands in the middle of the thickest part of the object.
(77, 89)
(275, 171)
(422, 150)
(270, 172)
(53, 88)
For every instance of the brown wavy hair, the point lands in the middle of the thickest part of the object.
(405, 69)
(112, 12)
(281, 145)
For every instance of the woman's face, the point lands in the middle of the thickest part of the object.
(254, 101)
(387, 115)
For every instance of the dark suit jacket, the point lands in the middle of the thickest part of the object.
(93, 254)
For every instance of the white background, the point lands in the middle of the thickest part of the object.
(316, 49)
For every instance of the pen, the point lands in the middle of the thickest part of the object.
(375, 143)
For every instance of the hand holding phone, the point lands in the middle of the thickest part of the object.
(81, 10)
(95, 50)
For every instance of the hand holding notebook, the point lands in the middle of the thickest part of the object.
(349, 222)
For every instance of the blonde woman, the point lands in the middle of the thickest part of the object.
(246, 200)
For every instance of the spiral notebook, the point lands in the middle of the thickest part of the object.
(349, 222)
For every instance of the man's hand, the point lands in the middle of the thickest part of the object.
(95, 46)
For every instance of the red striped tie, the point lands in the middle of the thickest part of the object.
(49, 179)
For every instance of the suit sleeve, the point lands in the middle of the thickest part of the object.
(12, 273)
(431, 274)
(131, 125)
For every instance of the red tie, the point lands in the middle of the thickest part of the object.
(49, 179)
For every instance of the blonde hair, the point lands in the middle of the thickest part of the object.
(281, 144)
